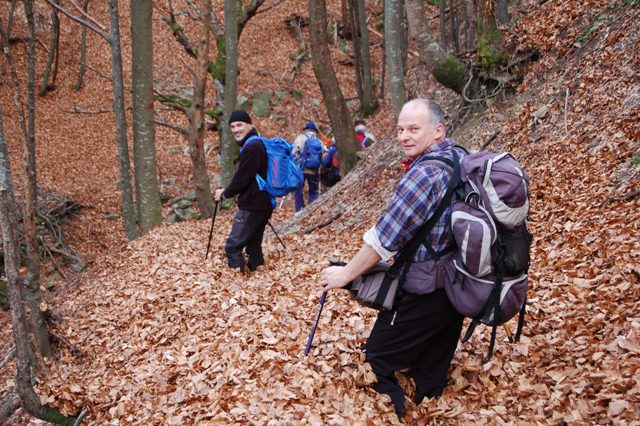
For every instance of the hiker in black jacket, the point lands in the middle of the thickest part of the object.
(254, 206)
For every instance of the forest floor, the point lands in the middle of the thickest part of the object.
(157, 335)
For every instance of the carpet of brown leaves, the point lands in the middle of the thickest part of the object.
(168, 338)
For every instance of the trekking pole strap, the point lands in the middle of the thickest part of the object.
(493, 341)
(520, 321)
(470, 330)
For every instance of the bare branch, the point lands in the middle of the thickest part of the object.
(78, 110)
(179, 35)
(266, 9)
(247, 14)
(625, 197)
(8, 357)
(95, 27)
(86, 15)
(178, 128)
(84, 413)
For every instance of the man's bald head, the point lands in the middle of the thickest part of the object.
(435, 115)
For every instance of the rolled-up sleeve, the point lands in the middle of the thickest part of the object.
(371, 239)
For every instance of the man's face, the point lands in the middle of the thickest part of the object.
(239, 129)
(416, 132)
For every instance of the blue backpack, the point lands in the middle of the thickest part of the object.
(283, 174)
(311, 156)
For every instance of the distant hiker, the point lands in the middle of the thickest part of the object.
(420, 335)
(308, 149)
(254, 206)
(365, 138)
(330, 172)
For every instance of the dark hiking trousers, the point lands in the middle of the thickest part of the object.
(421, 336)
(246, 233)
(313, 182)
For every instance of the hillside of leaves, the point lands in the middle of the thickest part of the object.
(157, 335)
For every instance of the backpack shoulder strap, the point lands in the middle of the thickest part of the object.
(410, 249)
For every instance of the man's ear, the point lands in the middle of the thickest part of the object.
(438, 132)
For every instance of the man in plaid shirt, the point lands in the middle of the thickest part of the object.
(421, 335)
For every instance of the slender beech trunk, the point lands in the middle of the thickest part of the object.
(229, 146)
(364, 80)
(32, 294)
(31, 91)
(453, 23)
(126, 193)
(51, 68)
(393, 48)
(11, 246)
(144, 149)
(347, 23)
(470, 23)
(12, 10)
(196, 117)
(83, 51)
(444, 67)
(443, 24)
(334, 100)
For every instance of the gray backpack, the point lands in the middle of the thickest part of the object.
(487, 277)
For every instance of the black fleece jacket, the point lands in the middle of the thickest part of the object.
(252, 161)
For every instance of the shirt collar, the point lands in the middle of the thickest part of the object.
(444, 145)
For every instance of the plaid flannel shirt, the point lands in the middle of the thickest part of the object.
(414, 202)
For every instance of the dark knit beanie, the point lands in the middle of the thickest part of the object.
(240, 115)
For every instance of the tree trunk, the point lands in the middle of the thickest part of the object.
(126, 193)
(144, 150)
(31, 93)
(11, 247)
(352, 7)
(362, 57)
(229, 147)
(196, 117)
(83, 51)
(367, 102)
(469, 10)
(393, 49)
(502, 11)
(443, 26)
(347, 24)
(444, 67)
(12, 10)
(32, 294)
(491, 52)
(334, 100)
(453, 23)
(51, 69)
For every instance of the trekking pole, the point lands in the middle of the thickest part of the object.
(274, 231)
(213, 220)
(315, 325)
